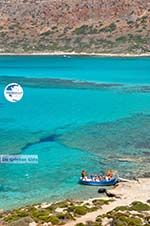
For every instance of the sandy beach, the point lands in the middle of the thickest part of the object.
(130, 204)
(128, 193)
(65, 54)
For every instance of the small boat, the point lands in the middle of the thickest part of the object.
(103, 182)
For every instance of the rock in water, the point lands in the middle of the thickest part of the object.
(101, 190)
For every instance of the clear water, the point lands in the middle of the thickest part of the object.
(47, 111)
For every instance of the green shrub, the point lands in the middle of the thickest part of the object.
(11, 218)
(15, 215)
(38, 213)
(130, 22)
(65, 216)
(100, 202)
(81, 30)
(91, 223)
(143, 19)
(121, 39)
(78, 210)
(47, 33)
(80, 224)
(44, 218)
(139, 206)
(54, 28)
(120, 219)
(85, 29)
(54, 220)
(112, 27)
(121, 208)
(63, 204)
(99, 219)
(138, 38)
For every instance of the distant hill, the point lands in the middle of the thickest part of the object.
(100, 26)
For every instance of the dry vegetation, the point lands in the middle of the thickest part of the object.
(136, 214)
(115, 26)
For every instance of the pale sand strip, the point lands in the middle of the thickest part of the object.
(60, 53)
(129, 192)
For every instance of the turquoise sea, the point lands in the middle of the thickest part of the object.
(77, 113)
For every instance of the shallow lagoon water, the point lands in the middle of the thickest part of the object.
(125, 70)
(28, 127)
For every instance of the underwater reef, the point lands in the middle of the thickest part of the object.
(123, 135)
(72, 84)
(57, 83)
(121, 143)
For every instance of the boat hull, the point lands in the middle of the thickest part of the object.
(99, 183)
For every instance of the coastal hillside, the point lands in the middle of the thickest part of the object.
(99, 26)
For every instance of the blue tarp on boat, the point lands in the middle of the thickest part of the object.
(103, 182)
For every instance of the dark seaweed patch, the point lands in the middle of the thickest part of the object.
(27, 146)
(57, 83)
(119, 144)
(145, 144)
(6, 188)
(147, 153)
(51, 138)
(71, 84)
